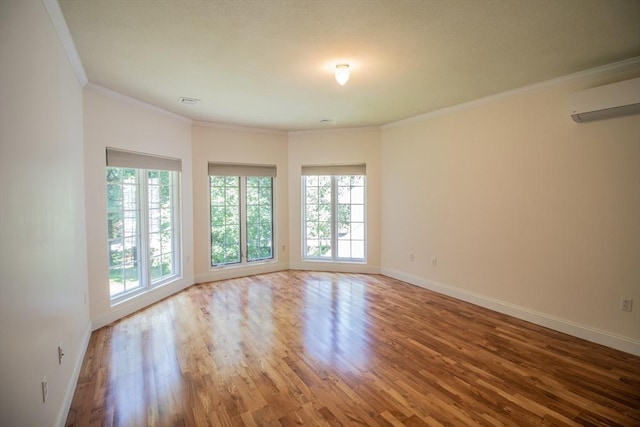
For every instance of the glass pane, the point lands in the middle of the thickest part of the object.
(344, 194)
(160, 221)
(259, 221)
(357, 249)
(357, 231)
(114, 197)
(357, 213)
(350, 223)
(154, 244)
(344, 249)
(122, 229)
(167, 264)
(116, 253)
(155, 268)
(357, 195)
(115, 225)
(225, 219)
(116, 281)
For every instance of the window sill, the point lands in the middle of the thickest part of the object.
(336, 261)
(241, 265)
(143, 291)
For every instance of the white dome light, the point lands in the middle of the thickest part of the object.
(342, 73)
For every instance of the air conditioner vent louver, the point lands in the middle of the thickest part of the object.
(604, 102)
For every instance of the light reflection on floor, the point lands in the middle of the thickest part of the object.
(152, 346)
(335, 323)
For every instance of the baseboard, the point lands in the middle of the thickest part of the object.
(569, 327)
(61, 420)
(139, 302)
(335, 267)
(240, 271)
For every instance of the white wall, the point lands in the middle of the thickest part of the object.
(113, 120)
(232, 144)
(43, 266)
(326, 147)
(526, 211)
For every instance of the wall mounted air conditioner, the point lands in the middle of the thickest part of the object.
(603, 102)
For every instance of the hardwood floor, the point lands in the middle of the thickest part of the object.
(304, 348)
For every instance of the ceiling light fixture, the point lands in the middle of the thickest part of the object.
(342, 73)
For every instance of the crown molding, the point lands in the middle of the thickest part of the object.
(60, 25)
(605, 69)
(338, 130)
(240, 128)
(101, 90)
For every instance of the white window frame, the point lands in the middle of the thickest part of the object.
(129, 160)
(335, 172)
(244, 171)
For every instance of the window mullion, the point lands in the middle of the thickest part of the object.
(175, 224)
(243, 220)
(143, 254)
(334, 217)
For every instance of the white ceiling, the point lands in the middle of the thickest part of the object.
(269, 63)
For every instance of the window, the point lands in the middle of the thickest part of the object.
(241, 198)
(142, 222)
(334, 212)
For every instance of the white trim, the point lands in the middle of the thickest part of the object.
(223, 273)
(241, 128)
(101, 90)
(61, 419)
(628, 345)
(605, 69)
(60, 25)
(335, 267)
(140, 301)
(338, 130)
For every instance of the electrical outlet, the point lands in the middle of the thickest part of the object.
(60, 353)
(412, 257)
(45, 389)
(626, 304)
(434, 262)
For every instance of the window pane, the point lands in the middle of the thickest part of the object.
(134, 263)
(161, 227)
(318, 217)
(122, 229)
(259, 221)
(357, 213)
(225, 219)
(357, 231)
(357, 249)
(341, 224)
(357, 195)
(115, 225)
(344, 249)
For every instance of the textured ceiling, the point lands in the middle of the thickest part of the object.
(269, 63)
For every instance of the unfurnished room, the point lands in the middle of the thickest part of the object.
(319, 213)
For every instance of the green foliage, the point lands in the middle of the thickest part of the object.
(225, 219)
(226, 222)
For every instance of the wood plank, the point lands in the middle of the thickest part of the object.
(330, 349)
